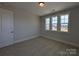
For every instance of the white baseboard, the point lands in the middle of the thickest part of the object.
(66, 42)
(17, 41)
(26, 38)
(34, 36)
(4, 44)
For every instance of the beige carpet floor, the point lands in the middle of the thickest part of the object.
(39, 47)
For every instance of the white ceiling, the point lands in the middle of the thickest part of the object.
(32, 6)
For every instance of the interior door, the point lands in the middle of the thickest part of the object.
(7, 28)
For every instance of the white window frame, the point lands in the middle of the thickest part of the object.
(64, 23)
(47, 24)
(54, 22)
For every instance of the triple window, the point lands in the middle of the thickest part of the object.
(53, 23)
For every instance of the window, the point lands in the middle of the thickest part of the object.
(47, 24)
(54, 23)
(64, 23)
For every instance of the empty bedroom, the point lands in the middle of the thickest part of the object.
(39, 29)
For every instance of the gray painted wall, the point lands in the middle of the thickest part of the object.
(26, 23)
(72, 35)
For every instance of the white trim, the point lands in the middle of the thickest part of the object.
(26, 38)
(17, 41)
(66, 42)
(4, 44)
(34, 36)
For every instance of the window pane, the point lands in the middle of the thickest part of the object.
(62, 17)
(47, 27)
(64, 27)
(47, 20)
(54, 19)
(54, 23)
(54, 27)
(66, 18)
(62, 21)
(47, 24)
